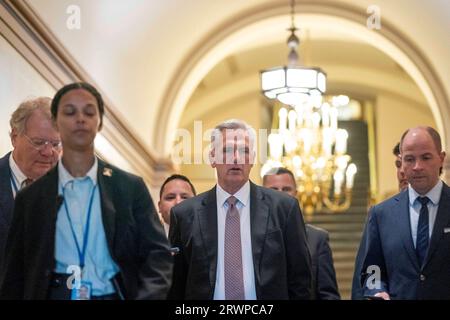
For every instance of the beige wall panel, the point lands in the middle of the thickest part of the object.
(18, 82)
(393, 116)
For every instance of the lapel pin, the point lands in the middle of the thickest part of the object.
(107, 172)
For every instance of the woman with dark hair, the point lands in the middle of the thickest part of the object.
(86, 223)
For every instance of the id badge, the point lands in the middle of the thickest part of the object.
(82, 291)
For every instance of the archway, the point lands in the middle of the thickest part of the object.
(255, 27)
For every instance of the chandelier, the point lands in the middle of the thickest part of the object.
(293, 84)
(309, 143)
(308, 140)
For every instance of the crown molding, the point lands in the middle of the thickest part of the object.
(33, 40)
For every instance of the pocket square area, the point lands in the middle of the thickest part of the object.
(446, 230)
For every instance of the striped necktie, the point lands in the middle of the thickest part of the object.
(26, 183)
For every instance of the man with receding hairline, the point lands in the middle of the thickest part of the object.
(408, 236)
(357, 292)
(238, 241)
(36, 149)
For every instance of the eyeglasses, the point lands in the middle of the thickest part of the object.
(40, 144)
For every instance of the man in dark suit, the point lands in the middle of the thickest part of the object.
(85, 223)
(174, 190)
(324, 276)
(408, 236)
(357, 291)
(37, 148)
(6, 202)
(238, 241)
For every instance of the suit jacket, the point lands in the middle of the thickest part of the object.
(357, 290)
(135, 237)
(389, 245)
(6, 203)
(324, 276)
(281, 259)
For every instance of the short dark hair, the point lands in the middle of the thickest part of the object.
(176, 177)
(396, 150)
(278, 171)
(73, 86)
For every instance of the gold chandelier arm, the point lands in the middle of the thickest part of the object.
(335, 205)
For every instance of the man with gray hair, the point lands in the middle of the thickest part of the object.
(37, 148)
(238, 241)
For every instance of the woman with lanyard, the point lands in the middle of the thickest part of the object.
(86, 230)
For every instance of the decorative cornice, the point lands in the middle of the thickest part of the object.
(26, 32)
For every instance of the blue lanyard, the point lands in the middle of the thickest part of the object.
(81, 253)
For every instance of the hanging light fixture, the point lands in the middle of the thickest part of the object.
(307, 139)
(293, 84)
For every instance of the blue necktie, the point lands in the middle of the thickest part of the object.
(422, 230)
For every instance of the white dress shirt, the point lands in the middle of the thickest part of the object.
(414, 208)
(243, 206)
(166, 228)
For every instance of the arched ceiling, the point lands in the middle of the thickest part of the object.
(352, 67)
(135, 49)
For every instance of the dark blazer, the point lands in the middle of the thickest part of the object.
(324, 276)
(389, 245)
(357, 290)
(6, 203)
(281, 259)
(135, 237)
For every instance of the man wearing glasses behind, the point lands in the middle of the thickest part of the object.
(36, 149)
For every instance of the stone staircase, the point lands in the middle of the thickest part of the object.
(345, 228)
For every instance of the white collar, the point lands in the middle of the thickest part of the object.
(18, 175)
(434, 194)
(166, 228)
(65, 177)
(243, 194)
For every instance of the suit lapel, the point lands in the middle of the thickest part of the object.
(106, 187)
(208, 229)
(259, 214)
(52, 194)
(48, 210)
(6, 196)
(405, 229)
(442, 220)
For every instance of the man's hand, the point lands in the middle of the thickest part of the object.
(383, 295)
